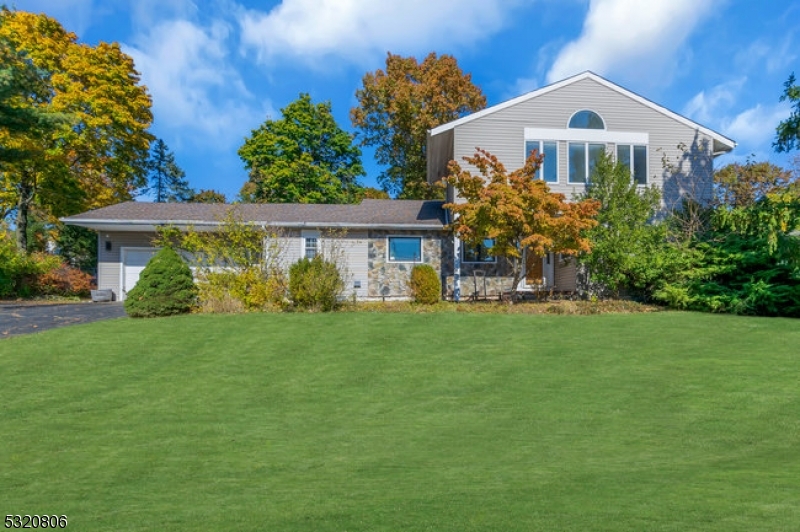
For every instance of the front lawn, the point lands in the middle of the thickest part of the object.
(413, 422)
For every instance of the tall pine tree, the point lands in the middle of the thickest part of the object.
(167, 180)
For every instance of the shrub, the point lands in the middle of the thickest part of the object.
(239, 267)
(425, 285)
(165, 287)
(63, 281)
(248, 289)
(315, 284)
(18, 270)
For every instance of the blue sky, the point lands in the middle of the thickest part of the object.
(216, 69)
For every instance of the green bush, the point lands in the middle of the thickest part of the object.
(425, 285)
(165, 287)
(315, 284)
(244, 290)
(19, 270)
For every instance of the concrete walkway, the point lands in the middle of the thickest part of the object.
(25, 318)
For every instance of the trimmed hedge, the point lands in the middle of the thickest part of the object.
(425, 285)
(165, 288)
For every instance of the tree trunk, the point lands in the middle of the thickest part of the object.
(23, 208)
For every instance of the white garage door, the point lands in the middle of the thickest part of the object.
(133, 262)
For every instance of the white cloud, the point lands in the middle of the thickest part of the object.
(196, 93)
(632, 39)
(359, 29)
(706, 105)
(772, 58)
(754, 128)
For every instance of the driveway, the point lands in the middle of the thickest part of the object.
(18, 319)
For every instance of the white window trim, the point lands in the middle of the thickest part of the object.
(587, 135)
(303, 236)
(421, 250)
(590, 111)
(646, 161)
(585, 162)
(540, 151)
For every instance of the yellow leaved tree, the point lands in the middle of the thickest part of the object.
(97, 154)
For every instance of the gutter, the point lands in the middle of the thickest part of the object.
(205, 223)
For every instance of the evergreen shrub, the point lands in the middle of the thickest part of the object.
(165, 287)
(425, 285)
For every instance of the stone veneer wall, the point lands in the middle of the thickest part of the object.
(390, 279)
(497, 276)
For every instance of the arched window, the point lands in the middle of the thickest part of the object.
(586, 120)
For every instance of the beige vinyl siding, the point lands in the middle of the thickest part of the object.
(348, 248)
(290, 247)
(109, 263)
(354, 247)
(565, 275)
(503, 134)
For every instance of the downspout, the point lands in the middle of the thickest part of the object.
(456, 263)
(456, 268)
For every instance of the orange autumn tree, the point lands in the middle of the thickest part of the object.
(399, 105)
(517, 211)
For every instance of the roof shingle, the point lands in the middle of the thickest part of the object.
(370, 212)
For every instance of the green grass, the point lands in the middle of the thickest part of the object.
(385, 422)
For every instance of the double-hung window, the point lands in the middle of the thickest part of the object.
(310, 244)
(635, 158)
(405, 248)
(549, 168)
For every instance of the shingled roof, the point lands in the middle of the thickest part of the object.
(389, 214)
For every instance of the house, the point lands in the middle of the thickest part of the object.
(379, 240)
(570, 122)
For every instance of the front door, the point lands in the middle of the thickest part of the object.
(534, 270)
(538, 270)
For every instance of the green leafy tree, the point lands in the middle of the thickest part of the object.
(208, 196)
(78, 247)
(746, 259)
(628, 252)
(167, 180)
(517, 211)
(743, 185)
(165, 287)
(97, 158)
(398, 106)
(374, 193)
(303, 157)
(788, 131)
(22, 86)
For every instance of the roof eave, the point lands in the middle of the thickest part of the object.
(151, 225)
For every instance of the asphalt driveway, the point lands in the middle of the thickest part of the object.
(18, 319)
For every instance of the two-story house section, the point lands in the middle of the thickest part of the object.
(571, 122)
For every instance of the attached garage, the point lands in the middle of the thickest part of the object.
(133, 262)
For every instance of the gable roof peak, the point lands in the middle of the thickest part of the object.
(724, 143)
